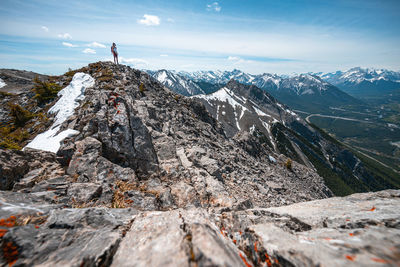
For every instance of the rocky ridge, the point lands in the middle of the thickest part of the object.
(150, 179)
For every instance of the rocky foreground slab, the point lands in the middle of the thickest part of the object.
(358, 230)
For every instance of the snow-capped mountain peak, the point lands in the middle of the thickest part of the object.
(178, 83)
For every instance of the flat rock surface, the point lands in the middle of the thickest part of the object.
(37, 233)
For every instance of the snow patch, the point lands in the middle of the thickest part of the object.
(223, 95)
(397, 144)
(64, 108)
(291, 112)
(260, 112)
(162, 77)
(252, 129)
(307, 92)
(272, 159)
(2, 83)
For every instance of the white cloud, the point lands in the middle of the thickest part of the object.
(238, 60)
(96, 44)
(214, 7)
(45, 28)
(231, 58)
(89, 51)
(163, 55)
(149, 20)
(134, 61)
(68, 44)
(64, 36)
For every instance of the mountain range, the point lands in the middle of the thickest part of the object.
(306, 92)
(361, 82)
(357, 82)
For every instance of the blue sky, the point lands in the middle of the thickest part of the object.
(255, 36)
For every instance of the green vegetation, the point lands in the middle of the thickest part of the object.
(11, 139)
(106, 75)
(142, 88)
(376, 137)
(262, 138)
(331, 179)
(337, 175)
(377, 176)
(19, 114)
(288, 164)
(45, 91)
(4, 94)
(386, 177)
(283, 143)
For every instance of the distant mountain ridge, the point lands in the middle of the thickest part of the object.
(179, 83)
(363, 81)
(306, 92)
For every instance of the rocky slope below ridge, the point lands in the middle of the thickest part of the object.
(141, 151)
(247, 108)
(18, 81)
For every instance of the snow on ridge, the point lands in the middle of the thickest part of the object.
(260, 112)
(64, 108)
(223, 95)
(2, 83)
(162, 76)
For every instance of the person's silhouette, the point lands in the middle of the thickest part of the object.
(114, 52)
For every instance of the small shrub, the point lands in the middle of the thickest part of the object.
(176, 97)
(45, 91)
(70, 73)
(142, 88)
(19, 115)
(118, 199)
(5, 94)
(12, 139)
(9, 144)
(106, 75)
(288, 164)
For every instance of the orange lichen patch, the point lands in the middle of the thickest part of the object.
(379, 260)
(234, 241)
(347, 220)
(350, 257)
(10, 253)
(327, 239)
(223, 232)
(268, 260)
(351, 234)
(128, 201)
(372, 209)
(9, 222)
(3, 232)
(37, 226)
(244, 260)
(255, 246)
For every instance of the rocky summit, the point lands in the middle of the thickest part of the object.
(146, 177)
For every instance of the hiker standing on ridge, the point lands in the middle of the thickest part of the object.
(114, 52)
